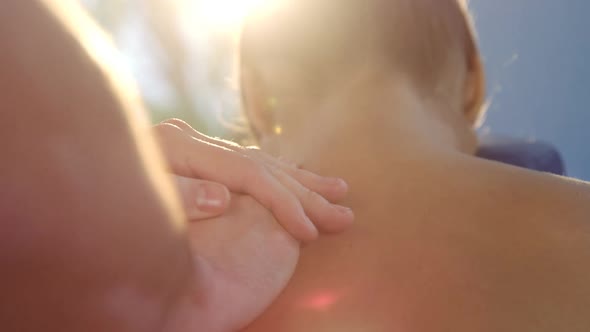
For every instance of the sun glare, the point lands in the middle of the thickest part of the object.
(228, 13)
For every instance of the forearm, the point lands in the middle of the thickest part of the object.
(91, 233)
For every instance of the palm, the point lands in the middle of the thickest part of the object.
(249, 259)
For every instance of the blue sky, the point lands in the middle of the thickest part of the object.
(537, 56)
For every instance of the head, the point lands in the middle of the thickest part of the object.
(301, 51)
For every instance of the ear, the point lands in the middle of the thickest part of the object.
(255, 103)
(474, 91)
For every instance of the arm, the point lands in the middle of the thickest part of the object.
(91, 235)
(89, 227)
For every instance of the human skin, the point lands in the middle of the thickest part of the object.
(443, 241)
(93, 236)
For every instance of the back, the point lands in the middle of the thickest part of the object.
(443, 241)
(466, 245)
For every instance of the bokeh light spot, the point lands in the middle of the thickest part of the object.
(321, 301)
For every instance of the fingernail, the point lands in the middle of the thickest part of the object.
(338, 182)
(344, 210)
(211, 197)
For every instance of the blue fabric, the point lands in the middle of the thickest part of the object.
(534, 155)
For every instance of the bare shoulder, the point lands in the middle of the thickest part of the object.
(530, 191)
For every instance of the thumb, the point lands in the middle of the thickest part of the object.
(202, 199)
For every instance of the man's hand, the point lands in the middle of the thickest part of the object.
(243, 257)
(201, 199)
(298, 199)
(243, 260)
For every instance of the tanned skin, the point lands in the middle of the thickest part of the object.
(73, 181)
(93, 238)
(444, 241)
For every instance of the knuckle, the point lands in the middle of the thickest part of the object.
(254, 154)
(287, 163)
(254, 176)
(164, 130)
(251, 153)
(276, 171)
(255, 171)
(175, 122)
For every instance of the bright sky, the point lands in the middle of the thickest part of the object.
(536, 56)
(221, 14)
(538, 73)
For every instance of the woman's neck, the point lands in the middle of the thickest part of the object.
(373, 130)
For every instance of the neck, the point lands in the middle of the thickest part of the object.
(373, 130)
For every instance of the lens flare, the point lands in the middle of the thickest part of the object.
(321, 300)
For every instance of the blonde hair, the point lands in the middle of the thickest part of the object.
(417, 38)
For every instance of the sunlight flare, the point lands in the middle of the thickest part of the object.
(227, 13)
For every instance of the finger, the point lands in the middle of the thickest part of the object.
(284, 204)
(244, 175)
(333, 189)
(202, 199)
(186, 128)
(178, 146)
(241, 174)
(178, 123)
(326, 217)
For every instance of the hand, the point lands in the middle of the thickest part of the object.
(243, 257)
(299, 200)
(201, 199)
(243, 260)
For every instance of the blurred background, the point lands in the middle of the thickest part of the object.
(182, 55)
